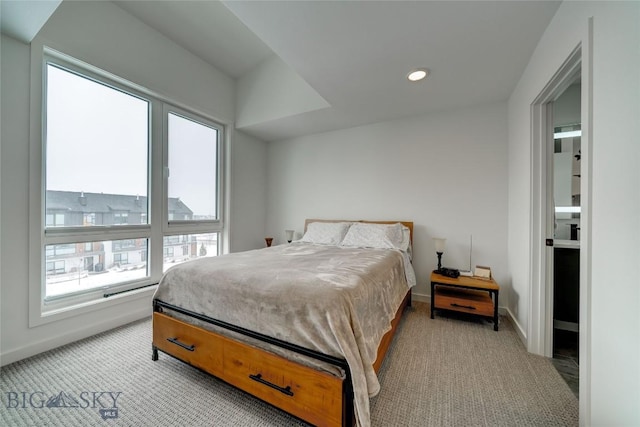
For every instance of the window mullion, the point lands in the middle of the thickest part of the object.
(63, 235)
(158, 188)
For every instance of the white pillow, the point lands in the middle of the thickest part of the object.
(325, 233)
(382, 236)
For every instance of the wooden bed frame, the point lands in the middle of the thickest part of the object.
(314, 396)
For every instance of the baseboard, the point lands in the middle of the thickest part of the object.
(420, 297)
(521, 334)
(48, 344)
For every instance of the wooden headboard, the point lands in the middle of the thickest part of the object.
(408, 224)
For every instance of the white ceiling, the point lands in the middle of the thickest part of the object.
(356, 54)
(23, 19)
(207, 29)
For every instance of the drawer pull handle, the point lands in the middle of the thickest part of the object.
(470, 307)
(185, 346)
(286, 390)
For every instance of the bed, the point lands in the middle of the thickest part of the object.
(304, 326)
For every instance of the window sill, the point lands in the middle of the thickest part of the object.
(41, 315)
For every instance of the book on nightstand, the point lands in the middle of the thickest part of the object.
(467, 273)
(482, 272)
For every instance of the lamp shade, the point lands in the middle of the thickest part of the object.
(439, 243)
(289, 234)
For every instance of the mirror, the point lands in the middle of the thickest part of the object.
(566, 164)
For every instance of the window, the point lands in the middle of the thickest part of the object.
(119, 245)
(60, 250)
(171, 240)
(119, 259)
(190, 246)
(96, 159)
(55, 267)
(97, 220)
(89, 219)
(97, 145)
(121, 218)
(193, 175)
(81, 272)
(55, 219)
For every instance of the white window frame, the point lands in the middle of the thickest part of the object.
(158, 225)
(180, 226)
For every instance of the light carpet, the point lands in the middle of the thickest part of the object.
(442, 372)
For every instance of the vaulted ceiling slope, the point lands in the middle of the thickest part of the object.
(23, 19)
(304, 67)
(356, 54)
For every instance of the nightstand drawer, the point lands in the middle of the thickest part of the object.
(464, 300)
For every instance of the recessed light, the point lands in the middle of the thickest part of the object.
(418, 74)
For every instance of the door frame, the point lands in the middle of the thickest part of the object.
(540, 326)
(540, 330)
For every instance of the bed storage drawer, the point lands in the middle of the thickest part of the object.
(312, 395)
(299, 390)
(196, 346)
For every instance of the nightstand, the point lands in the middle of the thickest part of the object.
(465, 295)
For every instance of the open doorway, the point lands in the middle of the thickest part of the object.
(565, 172)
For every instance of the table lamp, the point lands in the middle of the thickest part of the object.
(289, 234)
(439, 244)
